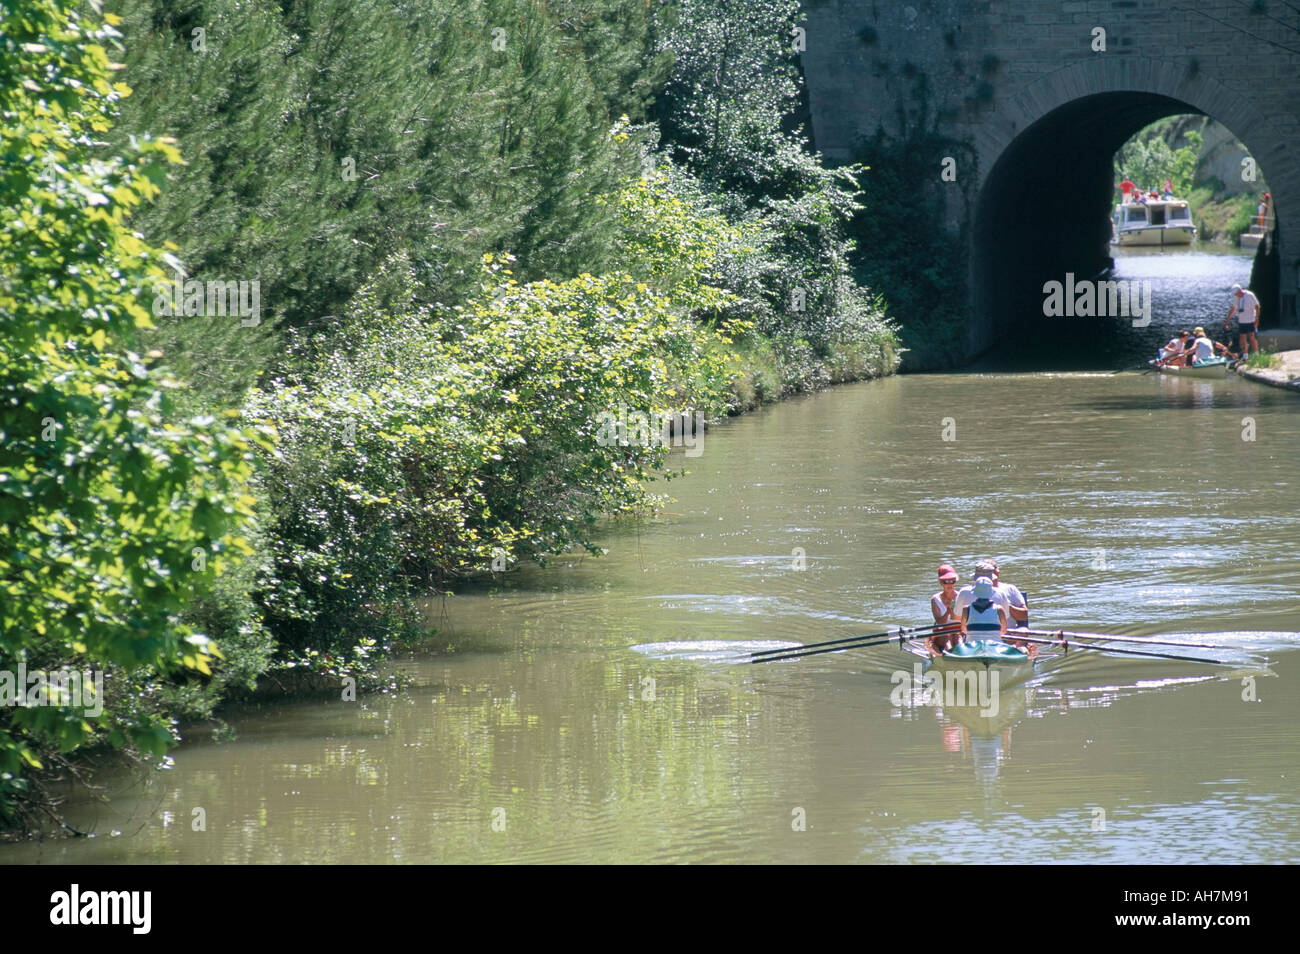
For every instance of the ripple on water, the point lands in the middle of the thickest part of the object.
(711, 650)
(1214, 828)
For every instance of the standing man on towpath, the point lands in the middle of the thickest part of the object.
(1246, 307)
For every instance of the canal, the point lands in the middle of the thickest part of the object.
(589, 711)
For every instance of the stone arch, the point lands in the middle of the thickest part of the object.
(1050, 145)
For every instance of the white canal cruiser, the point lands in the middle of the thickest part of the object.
(1153, 222)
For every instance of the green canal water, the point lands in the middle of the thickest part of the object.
(589, 712)
(577, 713)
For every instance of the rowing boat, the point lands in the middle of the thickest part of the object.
(981, 655)
(1213, 368)
(986, 652)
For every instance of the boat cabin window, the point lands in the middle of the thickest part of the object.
(1158, 215)
(1136, 215)
(1179, 212)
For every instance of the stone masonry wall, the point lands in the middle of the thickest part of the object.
(983, 72)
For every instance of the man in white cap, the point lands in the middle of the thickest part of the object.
(1017, 605)
(1005, 594)
(1246, 308)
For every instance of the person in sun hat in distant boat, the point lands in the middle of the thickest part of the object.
(1204, 347)
(943, 607)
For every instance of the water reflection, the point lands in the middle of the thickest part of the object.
(980, 729)
(1114, 506)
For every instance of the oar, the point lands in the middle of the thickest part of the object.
(840, 645)
(817, 652)
(1117, 639)
(892, 634)
(1012, 637)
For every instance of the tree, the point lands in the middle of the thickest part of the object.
(106, 496)
(726, 114)
(1148, 159)
(324, 136)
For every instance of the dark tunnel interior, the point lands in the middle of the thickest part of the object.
(1045, 210)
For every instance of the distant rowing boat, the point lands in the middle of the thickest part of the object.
(1213, 368)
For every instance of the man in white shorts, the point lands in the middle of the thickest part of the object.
(1246, 308)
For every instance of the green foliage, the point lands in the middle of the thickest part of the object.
(672, 236)
(791, 305)
(1245, 211)
(1148, 159)
(916, 264)
(725, 116)
(615, 39)
(733, 81)
(1263, 361)
(418, 445)
(323, 137)
(115, 513)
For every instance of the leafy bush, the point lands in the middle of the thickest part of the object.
(791, 304)
(725, 115)
(421, 445)
(115, 513)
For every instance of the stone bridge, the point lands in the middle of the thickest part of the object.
(1038, 95)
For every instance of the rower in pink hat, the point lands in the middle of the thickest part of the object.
(943, 605)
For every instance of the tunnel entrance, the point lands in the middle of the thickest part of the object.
(1045, 213)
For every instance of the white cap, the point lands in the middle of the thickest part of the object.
(1235, 289)
(983, 588)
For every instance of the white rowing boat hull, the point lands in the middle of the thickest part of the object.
(1218, 370)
